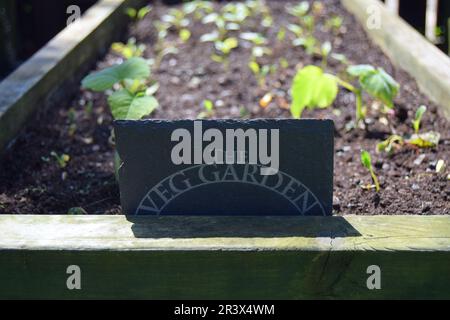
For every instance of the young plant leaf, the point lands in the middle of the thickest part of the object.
(418, 118)
(366, 161)
(126, 106)
(360, 70)
(312, 88)
(210, 37)
(185, 34)
(143, 12)
(376, 82)
(381, 86)
(134, 68)
(390, 144)
(425, 140)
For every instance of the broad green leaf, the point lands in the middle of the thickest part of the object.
(256, 38)
(134, 68)
(125, 106)
(381, 86)
(360, 70)
(312, 88)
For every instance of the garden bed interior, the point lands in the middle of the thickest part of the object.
(32, 181)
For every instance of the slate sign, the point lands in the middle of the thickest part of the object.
(226, 167)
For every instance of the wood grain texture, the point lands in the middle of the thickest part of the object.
(407, 49)
(224, 257)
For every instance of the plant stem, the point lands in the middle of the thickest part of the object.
(359, 106)
(375, 180)
(359, 102)
(346, 85)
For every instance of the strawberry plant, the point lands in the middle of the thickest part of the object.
(131, 98)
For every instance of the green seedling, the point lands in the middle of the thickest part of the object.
(418, 118)
(376, 82)
(309, 43)
(267, 19)
(284, 63)
(314, 88)
(299, 10)
(425, 140)
(176, 18)
(61, 159)
(163, 30)
(130, 99)
(325, 51)
(309, 22)
(138, 14)
(198, 8)
(259, 72)
(130, 49)
(258, 52)
(296, 30)
(366, 160)
(208, 112)
(394, 142)
(334, 24)
(256, 38)
(421, 140)
(71, 117)
(221, 25)
(281, 35)
(224, 48)
(185, 35)
(235, 12)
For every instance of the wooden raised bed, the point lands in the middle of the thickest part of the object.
(225, 258)
(207, 258)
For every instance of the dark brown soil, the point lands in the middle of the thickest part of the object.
(32, 182)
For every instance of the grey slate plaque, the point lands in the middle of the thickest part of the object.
(226, 167)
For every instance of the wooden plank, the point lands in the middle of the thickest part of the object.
(407, 49)
(431, 20)
(393, 5)
(225, 257)
(53, 73)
